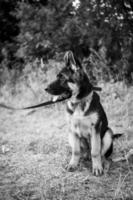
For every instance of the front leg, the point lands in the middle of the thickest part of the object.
(96, 152)
(74, 141)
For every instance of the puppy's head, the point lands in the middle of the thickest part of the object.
(71, 80)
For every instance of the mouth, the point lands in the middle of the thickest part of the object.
(58, 95)
(61, 97)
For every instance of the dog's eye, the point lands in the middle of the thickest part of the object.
(61, 78)
(59, 75)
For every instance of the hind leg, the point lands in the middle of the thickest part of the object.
(107, 143)
(107, 149)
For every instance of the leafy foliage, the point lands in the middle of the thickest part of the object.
(44, 29)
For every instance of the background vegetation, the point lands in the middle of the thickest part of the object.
(100, 32)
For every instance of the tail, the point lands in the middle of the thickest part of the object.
(117, 135)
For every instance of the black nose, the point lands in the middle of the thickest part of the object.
(48, 89)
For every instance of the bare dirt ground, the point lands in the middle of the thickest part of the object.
(34, 151)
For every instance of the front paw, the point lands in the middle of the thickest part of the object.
(97, 170)
(71, 167)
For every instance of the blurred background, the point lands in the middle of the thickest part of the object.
(35, 34)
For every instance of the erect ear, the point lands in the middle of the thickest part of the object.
(69, 60)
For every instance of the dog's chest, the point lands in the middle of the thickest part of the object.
(79, 122)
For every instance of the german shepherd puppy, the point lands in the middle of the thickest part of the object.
(87, 119)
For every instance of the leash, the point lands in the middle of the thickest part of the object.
(47, 103)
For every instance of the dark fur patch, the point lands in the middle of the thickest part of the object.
(109, 152)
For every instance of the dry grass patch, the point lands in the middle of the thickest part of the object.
(34, 151)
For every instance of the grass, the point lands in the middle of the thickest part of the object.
(34, 152)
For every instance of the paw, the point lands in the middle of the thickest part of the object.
(71, 167)
(97, 170)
